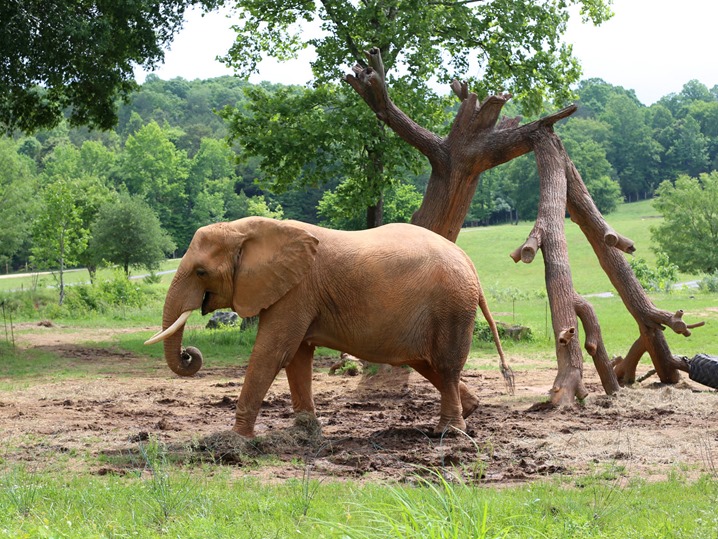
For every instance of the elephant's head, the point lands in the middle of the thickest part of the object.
(247, 265)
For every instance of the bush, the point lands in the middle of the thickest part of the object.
(27, 303)
(658, 279)
(482, 332)
(709, 283)
(152, 278)
(115, 292)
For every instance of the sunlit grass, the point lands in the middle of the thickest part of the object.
(489, 248)
(167, 499)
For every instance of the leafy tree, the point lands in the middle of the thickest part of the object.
(260, 207)
(692, 91)
(605, 192)
(658, 279)
(688, 150)
(594, 95)
(153, 168)
(59, 236)
(78, 56)
(418, 41)
(80, 168)
(580, 136)
(128, 233)
(689, 231)
(17, 187)
(339, 208)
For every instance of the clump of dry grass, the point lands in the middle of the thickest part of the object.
(228, 446)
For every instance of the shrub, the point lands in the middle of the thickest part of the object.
(709, 283)
(27, 303)
(658, 279)
(152, 278)
(482, 331)
(103, 296)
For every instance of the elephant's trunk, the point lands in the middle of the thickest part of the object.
(184, 362)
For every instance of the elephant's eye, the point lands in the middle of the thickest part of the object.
(201, 272)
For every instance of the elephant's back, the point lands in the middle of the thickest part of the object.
(399, 254)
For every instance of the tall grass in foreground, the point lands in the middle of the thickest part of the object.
(211, 503)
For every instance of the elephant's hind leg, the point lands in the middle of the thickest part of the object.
(457, 402)
(469, 401)
(299, 376)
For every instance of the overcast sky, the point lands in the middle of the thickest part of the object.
(651, 46)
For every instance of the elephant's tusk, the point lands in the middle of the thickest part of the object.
(162, 335)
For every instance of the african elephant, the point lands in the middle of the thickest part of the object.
(398, 294)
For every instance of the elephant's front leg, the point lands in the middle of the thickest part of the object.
(264, 364)
(299, 376)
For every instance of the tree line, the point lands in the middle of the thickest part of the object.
(190, 153)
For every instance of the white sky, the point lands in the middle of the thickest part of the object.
(651, 46)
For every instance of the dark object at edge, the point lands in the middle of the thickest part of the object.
(704, 370)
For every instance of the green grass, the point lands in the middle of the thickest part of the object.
(160, 499)
(489, 248)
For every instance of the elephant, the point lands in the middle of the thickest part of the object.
(398, 294)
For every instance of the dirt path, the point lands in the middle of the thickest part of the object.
(373, 428)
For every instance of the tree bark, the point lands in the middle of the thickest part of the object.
(550, 237)
(478, 141)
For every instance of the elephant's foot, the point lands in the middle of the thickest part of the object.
(449, 426)
(243, 428)
(243, 433)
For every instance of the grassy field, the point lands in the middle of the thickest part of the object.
(489, 248)
(177, 501)
(166, 498)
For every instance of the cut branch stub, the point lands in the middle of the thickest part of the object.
(676, 323)
(527, 252)
(375, 61)
(565, 335)
(622, 243)
(461, 89)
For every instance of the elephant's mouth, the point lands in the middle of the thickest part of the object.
(205, 304)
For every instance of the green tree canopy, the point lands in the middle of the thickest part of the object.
(59, 237)
(128, 233)
(689, 231)
(78, 56)
(152, 167)
(17, 186)
(495, 45)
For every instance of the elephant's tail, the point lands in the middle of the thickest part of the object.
(506, 371)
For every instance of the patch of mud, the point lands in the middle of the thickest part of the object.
(87, 353)
(367, 428)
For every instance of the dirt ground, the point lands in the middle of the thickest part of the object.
(373, 428)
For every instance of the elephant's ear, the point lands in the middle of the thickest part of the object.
(275, 256)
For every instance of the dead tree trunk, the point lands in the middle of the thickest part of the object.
(609, 247)
(478, 141)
